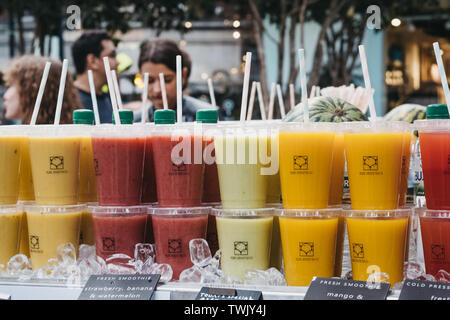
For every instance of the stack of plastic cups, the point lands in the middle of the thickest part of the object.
(120, 219)
(54, 219)
(377, 225)
(11, 213)
(434, 137)
(179, 169)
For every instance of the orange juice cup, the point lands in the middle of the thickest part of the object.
(10, 225)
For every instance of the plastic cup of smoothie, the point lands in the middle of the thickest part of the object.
(276, 250)
(11, 140)
(50, 227)
(55, 163)
(306, 155)
(377, 242)
(406, 157)
(435, 229)
(26, 186)
(173, 229)
(308, 237)
(373, 151)
(337, 171)
(118, 229)
(119, 152)
(244, 164)
(245, 237)
(179, 166)
(24, 239)
(10, 227)
(87, 235)
(434, 137)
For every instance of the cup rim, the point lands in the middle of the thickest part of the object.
(433, 213)
(375, 126)
(310, 213)
(34, 208)
(11, 208)
(178, 211)
(322, 127)
(258, 212)
(432, 125)
(393, 213)
(117, 210)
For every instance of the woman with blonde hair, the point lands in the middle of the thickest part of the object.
(23, 78)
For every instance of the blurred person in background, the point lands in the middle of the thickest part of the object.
(159, 56)
(2, 106)
(23, 79)
(88, 52)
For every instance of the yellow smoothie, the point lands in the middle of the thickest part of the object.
(10, 224)
(305, 168)
(87, 229)
(10, 154)
(244, 243)
(309, 248)
(26, 186)
(337, 172)
(23, 247)
(339, 247)
(88, 187)
(47, 231)
(55, 166)
(377, 245)
(406, 157)
(374, 167)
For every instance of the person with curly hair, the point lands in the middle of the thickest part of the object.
(23, 79)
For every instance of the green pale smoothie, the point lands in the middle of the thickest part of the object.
(245, 243)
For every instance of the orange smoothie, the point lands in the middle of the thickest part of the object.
(10, 154)
(377, 245)
(26, 186)
(406, 157)
(10, 224)
(337, 172)
(50, 227)
(309, 248)
(305, 168)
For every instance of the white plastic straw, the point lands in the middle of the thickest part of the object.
(292, 95)
(437, 53)
(93, 97)
(303, 85)
(251, 101)
(312, 94)
(163, 90)
(262, 108)
(281, 101)
(144, 99)
(271, 101)
(211, 92)
(117, 89)
(62, 85)
(111, 91)
(179, 91)
(37, 104)
(248, 62)
(362, 56)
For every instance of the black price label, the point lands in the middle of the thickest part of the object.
(207, 293)
(120, 287)
(424, 290)
(339, 289)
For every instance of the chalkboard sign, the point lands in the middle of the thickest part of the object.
(424, 290)
(207, 293)
(339, 289)
(120, 287)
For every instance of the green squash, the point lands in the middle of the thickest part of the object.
(327, 109)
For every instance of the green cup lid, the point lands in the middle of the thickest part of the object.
(437, 111)
(83, 116)
(207, 116)
(164, 116)
(126, 117)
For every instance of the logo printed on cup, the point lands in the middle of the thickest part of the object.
(108, 244)
(438, 251)
(34, 242)
(240, 248)
(96, 168)
(178, 169)
(358, 250)
(370, 166)
(306, 249)
(174, 246)
(301, 165)
(56, 165)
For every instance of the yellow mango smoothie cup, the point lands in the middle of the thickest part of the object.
(245, 237)
(308, 238)
(244, 164)
(377, 242)
(10, 226)
(49, 227)
(373, 151)
(55, 163)
(11, 138)
(306, 155)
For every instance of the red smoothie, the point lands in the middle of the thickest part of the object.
(436, 243)
(119, 166)
(172, 235)
(178, 185)
(149, 182)
(118, 233)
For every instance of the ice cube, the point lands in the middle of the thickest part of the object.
(118, 258)
(413, 271)
(215, 261)
(275, 277)
(442, 276)
(144, 251)
(66, 253)
(164, 270)
(255, 277)
(85, 252)
(200, 252)
(120, 269)
(193, 274)
(17, 264)
(211, 274)
(374, 279)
